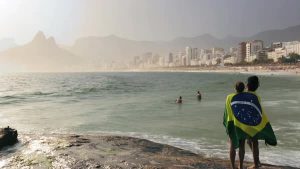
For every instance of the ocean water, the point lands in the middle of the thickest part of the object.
(143, 105)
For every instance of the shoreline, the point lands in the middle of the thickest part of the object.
(285, 70)
(104, 151)
(260, 70)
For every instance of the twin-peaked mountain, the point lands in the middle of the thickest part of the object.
(92, 53)
(41, 54)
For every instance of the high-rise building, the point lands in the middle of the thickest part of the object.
(276, 54)
(161, 61)
(194, 54)
(217, 52)
(276, 45)
(155, 59)
(252, 49)
(184, 61)
(188, 54)
(248, 51)
(256, 46)
(178, 58)
(170, 59)
(147, 58)
(286, 48)
(292, 47)
(205, 54)
(136, 61)
(241, 52)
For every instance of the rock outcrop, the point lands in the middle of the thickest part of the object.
(8, 137)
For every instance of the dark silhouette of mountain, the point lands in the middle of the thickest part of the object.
(41, 54)
(288, 34)
(7, 43)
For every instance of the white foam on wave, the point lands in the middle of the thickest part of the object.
(271, 103)
(294, 125)
(278, 102)
(37, 146)
(280, 157)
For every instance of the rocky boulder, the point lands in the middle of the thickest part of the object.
(8, 137)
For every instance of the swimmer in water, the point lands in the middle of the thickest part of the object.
(199, 96)
(179, 100)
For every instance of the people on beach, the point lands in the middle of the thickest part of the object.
(244, 119)
(252, 86)
(239, 87)
(199, 96)
(179, 100)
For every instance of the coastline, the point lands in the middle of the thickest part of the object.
(293, 70)
(104, 151)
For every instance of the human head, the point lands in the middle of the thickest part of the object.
(253, 83)
(239, 86)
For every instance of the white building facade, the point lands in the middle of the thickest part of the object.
(252, 49)
(286, 49)
(188, 54)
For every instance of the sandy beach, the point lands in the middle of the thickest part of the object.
(251, 69)
(104, 151)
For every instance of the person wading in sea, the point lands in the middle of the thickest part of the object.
(179, 100)
(199, 96)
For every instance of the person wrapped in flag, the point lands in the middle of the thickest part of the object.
(244, 118)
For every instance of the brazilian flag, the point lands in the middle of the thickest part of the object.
(245, 118)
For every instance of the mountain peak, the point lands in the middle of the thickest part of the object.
(112, 36)
(40, 36)
(51, 40)
(206, 36)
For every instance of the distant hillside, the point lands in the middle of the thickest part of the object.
(93, 53)
(41, 54)
(7, 43)
(113, 48)
(288, 34)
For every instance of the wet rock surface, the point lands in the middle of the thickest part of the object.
(8, 137)
(107, 152)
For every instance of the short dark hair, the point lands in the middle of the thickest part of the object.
(239, 86)
(253, 83)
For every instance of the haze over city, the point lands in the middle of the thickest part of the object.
(100, 35)
(150, 20)
(124, 84)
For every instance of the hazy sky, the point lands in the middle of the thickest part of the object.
(67, 20)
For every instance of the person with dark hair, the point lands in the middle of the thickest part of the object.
(199, 96)
(252, 85)
(239, 87)
(179, 100)
(244, 118)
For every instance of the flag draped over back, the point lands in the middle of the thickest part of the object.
(245, 118)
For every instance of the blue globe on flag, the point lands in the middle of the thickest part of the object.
(246, 109)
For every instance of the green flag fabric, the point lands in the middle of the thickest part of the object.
(245, 118)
